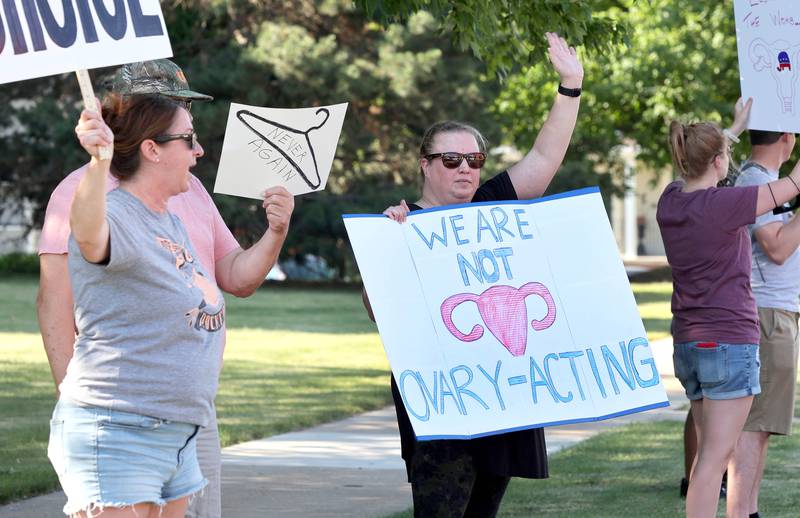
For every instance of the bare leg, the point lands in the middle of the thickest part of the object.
(720, 425)
(757, 482)
(696, 407)
(746, 470)
(132, 511)
(173, 509)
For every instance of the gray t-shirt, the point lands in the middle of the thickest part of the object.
(774, 285)
(149, 322)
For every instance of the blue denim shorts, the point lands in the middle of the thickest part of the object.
(717, 370)
(107, 458)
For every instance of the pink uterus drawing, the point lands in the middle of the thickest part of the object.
(504, 312)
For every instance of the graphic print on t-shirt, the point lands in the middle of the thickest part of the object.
(210, 314)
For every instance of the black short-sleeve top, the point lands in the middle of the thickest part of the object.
(517, 454)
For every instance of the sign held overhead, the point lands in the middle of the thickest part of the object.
(41, 38)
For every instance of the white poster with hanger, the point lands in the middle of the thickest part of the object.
(266, 147)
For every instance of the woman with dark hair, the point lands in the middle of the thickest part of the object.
(149, 320)
(454, 478)
(715, 324)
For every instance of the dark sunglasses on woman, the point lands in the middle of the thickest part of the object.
(190, 138)
(451, 160)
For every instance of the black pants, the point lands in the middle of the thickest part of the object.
(446, 484)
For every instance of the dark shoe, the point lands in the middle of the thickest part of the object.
(684, 487)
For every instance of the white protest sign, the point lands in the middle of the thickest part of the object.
(43, 38)
(266, 147)
(507, 315)
(768, 41)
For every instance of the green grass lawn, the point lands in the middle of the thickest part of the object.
(653, 300)
(294, 358)
(634, 471)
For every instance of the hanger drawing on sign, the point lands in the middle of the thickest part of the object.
(243, 114)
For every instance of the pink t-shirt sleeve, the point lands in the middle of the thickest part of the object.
(55, 231)
(224, 242)
(733, 207)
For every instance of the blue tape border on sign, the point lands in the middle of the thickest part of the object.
(568, 194)
(543, 425)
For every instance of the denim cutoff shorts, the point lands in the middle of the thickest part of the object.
(717, 370)
(108, 458)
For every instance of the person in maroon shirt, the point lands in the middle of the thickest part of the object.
(715, 324)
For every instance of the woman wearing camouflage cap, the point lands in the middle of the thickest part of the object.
(148, 313)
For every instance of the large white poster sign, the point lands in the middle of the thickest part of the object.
(768, 41)
(265, 147)
(505, 316)
(45, 37)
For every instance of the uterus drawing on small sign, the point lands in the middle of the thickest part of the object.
(780, 59)
(768, 44)
(267, 147)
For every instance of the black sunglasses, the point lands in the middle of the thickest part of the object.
(190, 138)
(451, 160)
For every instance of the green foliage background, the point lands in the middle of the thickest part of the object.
(401, 69)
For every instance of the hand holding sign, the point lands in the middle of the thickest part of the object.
(91, 103)
(741, 115)
(278, 205)
(398, 213)
(94, 135)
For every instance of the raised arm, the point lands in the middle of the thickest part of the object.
(241, 272)
(87, 218)
(531, 175)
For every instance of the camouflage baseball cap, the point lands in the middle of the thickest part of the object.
(159, 76)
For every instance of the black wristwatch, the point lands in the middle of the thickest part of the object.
(569, 92)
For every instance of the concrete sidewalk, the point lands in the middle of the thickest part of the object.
(347, 468)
